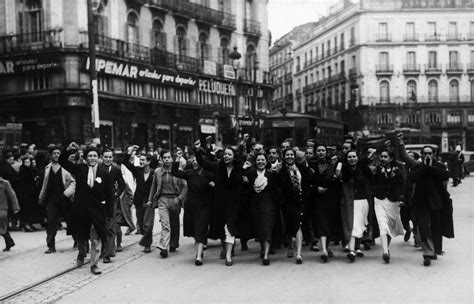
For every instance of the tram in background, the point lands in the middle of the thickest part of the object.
(10, 134)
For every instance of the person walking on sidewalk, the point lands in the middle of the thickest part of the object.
(167, 193)
(143, 177)
(8, 203)
(56, 195)
(92, 205)
(114, 231)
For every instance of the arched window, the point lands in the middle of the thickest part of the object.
(133, 29)
(224, 51)
(433, 91)
(30, 20)
(180, 41)
(204, 49)
(384, 92)
(454, 90)
(250, 61)
(411, 91)
(157, 35)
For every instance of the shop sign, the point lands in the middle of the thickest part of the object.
(246, 123)
(229, 72)
(283, 124)
(209, 121)
(216, 87)
(208, 129)
(29, 64)
(210, 67)
(142, 72)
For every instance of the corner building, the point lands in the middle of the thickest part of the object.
(393, 64)
(155, 61)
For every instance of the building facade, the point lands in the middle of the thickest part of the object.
(393, 64)
(164, 72)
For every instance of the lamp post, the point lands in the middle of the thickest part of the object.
(254, 95)
(235, 57)
(92, 6)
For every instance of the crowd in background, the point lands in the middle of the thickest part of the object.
(285, 196)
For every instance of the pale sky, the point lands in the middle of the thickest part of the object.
(284, 15)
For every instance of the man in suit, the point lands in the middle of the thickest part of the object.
(167, 193)
(92, 205)
(430, 178)
(143, 176)
(56, 195)
(113, 229)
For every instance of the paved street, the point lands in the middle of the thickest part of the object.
(135, 277)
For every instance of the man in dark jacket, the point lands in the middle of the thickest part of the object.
(93, 203)
(113, 229)
(429, 200)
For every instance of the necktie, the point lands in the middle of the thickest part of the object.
(90, 177)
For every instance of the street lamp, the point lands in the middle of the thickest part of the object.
(235, 57)
(254, 91)
(92, 7)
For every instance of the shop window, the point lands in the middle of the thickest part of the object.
(470, 118)
(384, 119)
(432, 118)
(103, 84)
(183, 96)
(158, 92)
(133, 88)
(453, 118)
(36, 82)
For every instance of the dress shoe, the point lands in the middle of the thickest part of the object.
(106, 260)
(229, 263)
(330, 253)
(95, 270)
(79, 262)
(172, 249)
(9, 246)
(386, 257)
(266, 262)
(351, 256)
(119, 248)
(324, 258)
(433, 257)
(198, 262)
(299, 259)
(129, 231)
(359, 253)
(407, 235)
(50, 250)
(426, 261)
(164, 254)
(147, 249)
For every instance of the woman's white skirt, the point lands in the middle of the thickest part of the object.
(361, 211)
(388, 217)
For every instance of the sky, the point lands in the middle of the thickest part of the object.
(284, 15)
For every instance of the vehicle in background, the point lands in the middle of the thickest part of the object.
(417, 147)
(468, 162)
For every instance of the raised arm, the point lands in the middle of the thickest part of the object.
(132, 168)
(184, 174)
(65, 163)
(206, 164)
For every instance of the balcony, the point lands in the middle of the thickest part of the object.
(454, 68)
(470, 36)
(228, 21)
(383, 37)
(453, 37)
(433, 37)
(470, 68)
(298, 92)
(352, 42)
(411, 69)
(432, 69)
(206, 14)
(120, 48)
(31, 41)
(352, 73)
(410, 38)
(252, 28)
(288, 78)
(384, 70)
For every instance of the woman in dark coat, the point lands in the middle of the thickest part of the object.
(325, 203)
(263, 189)
(294, 183)
(27, 194)
(197, 205)
(225, 209)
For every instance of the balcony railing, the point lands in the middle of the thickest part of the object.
(228, 21)
(470, 68)
(432, 69)
(252, 27)
(453, 37)
(410, 37)
(385, 37)
(385, 69)
(411, 68)
(352, 42)
(454, 68)
(31, 41)
(352, 72)
(470, 36)
(433, 37)
(119, 48)
(207, 14)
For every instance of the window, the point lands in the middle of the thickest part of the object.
(133, 30)
(433, 91)
(471, 31)
(37, 82)
(383, 31)
(384, 119)
(453, 60)
(203, 48)
(133, 88)
(322, 50)
(335, 44)
(411, 60)
(180, 41)
(432, 33)
(310, 56)
(342, 42)
(103, 84)
(472, 90)
(384, 92)
(453, 118)
(158, 36)
(432, 60)
(101, 22)
(158, 92)
(454, 90)
(470, 118)
(353, 38)
(453, 31)
(329, 48)
(316, 54)
(432, 118)
(183, 96)
(383, 61)
(411, 91)
(298, 67)
(224, 52)
(410, 31)
(30, 20)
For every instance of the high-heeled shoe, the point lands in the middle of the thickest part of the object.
(386, 257)
(351, 256)
(289, 254)
(229, 263)
(299, 259)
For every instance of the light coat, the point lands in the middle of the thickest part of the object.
(68, 181)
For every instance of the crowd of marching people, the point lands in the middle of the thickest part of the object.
(282, 197)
